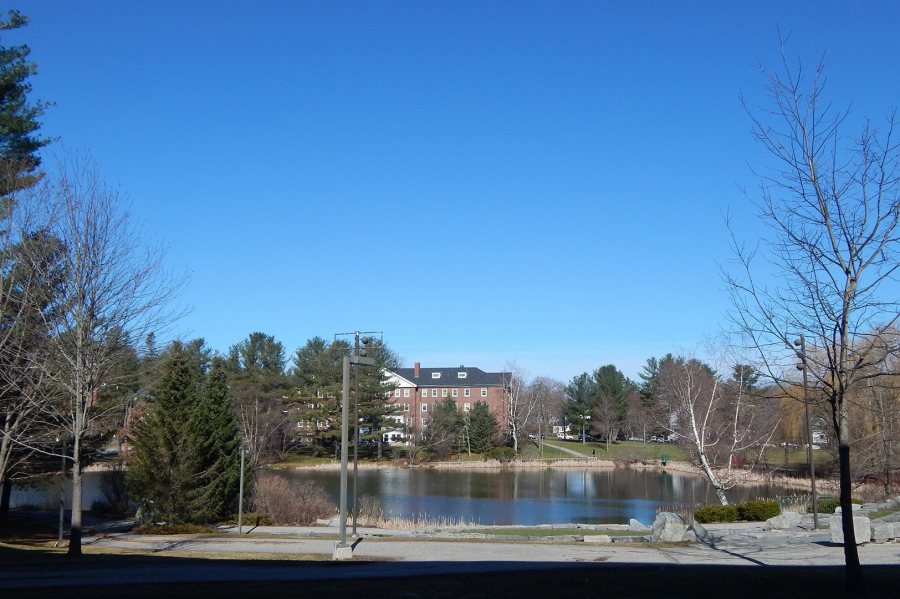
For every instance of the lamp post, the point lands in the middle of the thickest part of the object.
(62, 490)
(342, 551)
(801, 343)
(241, 494)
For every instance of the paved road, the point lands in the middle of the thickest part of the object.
(392, 553)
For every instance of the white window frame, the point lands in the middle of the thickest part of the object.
(406, 393)
(467, 392)
(454, 393)
(424, 407)
(396, 392)
(484, 392)
(434, 393)
(444, 392)
(467, 407)
(424, 392)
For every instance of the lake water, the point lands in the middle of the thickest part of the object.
(527, 497)
(523, 497)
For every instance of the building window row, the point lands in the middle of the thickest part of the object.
(467, 392)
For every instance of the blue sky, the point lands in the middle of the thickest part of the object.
(544, 182)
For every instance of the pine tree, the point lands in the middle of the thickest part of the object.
(184, 467)
(159, 474)
(482, 428)
(19, 144)
(215, 440)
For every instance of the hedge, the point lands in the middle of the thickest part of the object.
(759, 510)
(750, 511)
(716, 513)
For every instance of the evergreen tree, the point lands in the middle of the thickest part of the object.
(260, 390)
(482, 427)
(160, 476)
(215, 446)
(317, 374)
(19, 143)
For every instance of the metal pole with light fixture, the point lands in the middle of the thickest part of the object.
(801, 343)
(343, 551)
(241, 495)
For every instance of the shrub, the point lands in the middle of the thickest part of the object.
(285, 501)
(829, 504)
(759, 510)
(716, 513)
(371, 512)
(501, 454)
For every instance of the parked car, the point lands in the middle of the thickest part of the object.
(585, 437)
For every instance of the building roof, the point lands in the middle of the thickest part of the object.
(450, 377)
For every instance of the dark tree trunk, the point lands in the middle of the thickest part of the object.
(4, 502)
(851, 555)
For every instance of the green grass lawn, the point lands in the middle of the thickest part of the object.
(620, 450)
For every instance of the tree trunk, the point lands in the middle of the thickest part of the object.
(4, 501)
(851, 555)
(75, 526)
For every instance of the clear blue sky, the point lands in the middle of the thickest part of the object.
(543, 182)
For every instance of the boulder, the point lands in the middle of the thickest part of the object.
(668, 528)
(856, 507)
(784, 520)
(638, 526)
(862, 529)
(689, 536)
(701, 534)
(597, 539)
(884, 531)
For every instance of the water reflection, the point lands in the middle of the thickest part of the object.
(532, 496)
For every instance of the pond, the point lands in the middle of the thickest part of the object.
(528, 497)
(508, 497)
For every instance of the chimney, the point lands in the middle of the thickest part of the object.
(416, 369)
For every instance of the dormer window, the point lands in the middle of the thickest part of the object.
(435, 375)
(461, 375)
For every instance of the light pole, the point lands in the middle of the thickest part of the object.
(801, 343)
(342, 551)
(62, 490)
(241, 494)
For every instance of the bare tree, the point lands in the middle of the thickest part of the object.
(875, 414)
(26, 296)
(710, 421)
(520, 404)
(114, 292)
(548, 396)
(831, 204)
(641, 419)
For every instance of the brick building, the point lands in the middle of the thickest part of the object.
(419, 390)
